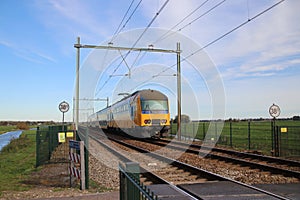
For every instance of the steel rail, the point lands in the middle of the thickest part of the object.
(145, 173)
(275, 170)
(197, 170)
(179, 164)
(243, 154)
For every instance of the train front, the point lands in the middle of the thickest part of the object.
(154, 112)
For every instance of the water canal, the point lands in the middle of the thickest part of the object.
(5, 138)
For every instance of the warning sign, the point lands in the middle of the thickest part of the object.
(70, 134)
(61, 137)
(283, 130)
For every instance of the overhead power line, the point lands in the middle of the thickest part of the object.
(117, 31)
(234, 29)
(133, 46)
(217, 39)
(136, 7)
(167, 34)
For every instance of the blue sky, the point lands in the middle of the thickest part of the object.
(258, 63)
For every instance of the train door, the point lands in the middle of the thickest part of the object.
(131, 112)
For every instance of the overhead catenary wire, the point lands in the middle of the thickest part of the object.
(151, 22)
(135, 9)
(187, 16)
(118, 30)
(234, 29)
(216, 40)
(169, 33)
(135, 43)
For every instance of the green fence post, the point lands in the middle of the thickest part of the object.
(276, 138)
(86, 158)
(122, 178)
(216, 131)
(132, 168)
(49, 142)
(171, 126)
(37, 147)
(194, 131)
(249, 142)
(272, 137)
(203, 131)
(230, 132)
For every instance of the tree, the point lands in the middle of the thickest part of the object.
(22, 126)
(184, 119)
(296, 118)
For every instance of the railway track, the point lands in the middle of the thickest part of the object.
(274, 165)
(287, 164)
(159, 169)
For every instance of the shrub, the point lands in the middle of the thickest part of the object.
(22, 126)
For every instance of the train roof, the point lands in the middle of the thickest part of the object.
(152, 94)
(147, 94)
(144, 94)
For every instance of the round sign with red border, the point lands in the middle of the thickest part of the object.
(64, 107)
(274, 110)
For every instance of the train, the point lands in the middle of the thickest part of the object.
(142, 114)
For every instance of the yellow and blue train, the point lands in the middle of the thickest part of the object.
(145, 113)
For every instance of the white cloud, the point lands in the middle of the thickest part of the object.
(93, 20)
(28, 53)
(268, 45)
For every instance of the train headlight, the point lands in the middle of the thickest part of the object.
(163, 121)
(147, 121)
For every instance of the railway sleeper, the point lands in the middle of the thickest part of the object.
(175, 174)
(145, 180)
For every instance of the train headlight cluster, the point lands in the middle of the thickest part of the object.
(163, 121)
(155, 121)
(147, 121)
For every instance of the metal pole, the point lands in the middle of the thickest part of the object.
(178, 93)
(77, 83)
(86, 157)
(63, 122)
(249, 137)
(230, 129)
(82, 166)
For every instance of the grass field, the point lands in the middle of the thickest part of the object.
(17, 164)
(17, 161)
(248, 135)
(4, 129)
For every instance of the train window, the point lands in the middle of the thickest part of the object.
(154, 105)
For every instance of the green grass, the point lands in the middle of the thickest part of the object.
(17, 161)
(4, 129)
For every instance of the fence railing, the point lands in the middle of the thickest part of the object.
(130, 186)
(248, 135)
(288, 140)
(47, 141)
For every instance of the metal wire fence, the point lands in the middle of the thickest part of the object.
(288, 141)
(48, 147)
(246, 135)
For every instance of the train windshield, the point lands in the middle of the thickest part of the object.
(154, 105)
